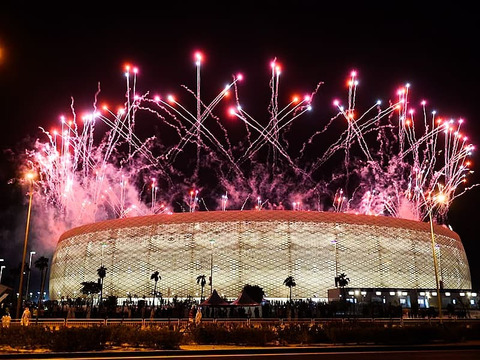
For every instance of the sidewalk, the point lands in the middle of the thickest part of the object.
(199, 350)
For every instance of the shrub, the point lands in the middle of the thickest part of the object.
(317, 334)
(119, 335)
(293, 334)
(257, 336)
(160, 338)
(210, 334)
(67, 339)
(30, 337)
(79, 339)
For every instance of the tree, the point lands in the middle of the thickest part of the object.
(255, 292)
(342, 280)
(111, 303)
(155, 276)
(42, 264)
(102, 272)
(290, 282)
(201, 280)
(90, 288)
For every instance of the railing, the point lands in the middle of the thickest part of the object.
(179, 322)
(127, 321)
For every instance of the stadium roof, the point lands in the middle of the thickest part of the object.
(255, 215)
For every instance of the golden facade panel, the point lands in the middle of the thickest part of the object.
(257, 248)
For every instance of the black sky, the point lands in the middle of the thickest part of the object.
(50, 55)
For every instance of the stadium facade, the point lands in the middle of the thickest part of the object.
(258, 248)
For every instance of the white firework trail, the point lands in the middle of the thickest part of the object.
(391, 166)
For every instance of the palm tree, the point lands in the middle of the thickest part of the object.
(343, 281)
(201, 280)
(155, 276)
(90, 288)
(42, 264)
(290, 282)
(254, 291)
(102, 272)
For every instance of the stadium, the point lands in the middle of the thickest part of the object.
(258, 248)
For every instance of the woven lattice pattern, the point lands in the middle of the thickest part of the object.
(257, 248)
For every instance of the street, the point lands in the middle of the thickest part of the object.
(358, 353)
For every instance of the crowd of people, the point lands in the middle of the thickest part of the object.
(24, 320)
(176, 308)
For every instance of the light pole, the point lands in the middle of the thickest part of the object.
(334, 243)
(103, 248)
(440, 198)
(212, 242)
(438, 251)
(29, 272)
(30, 176)
(1, 272)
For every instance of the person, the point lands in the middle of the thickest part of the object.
(191, 314)
(25, 320)
(6, 319)
(70, 312)
(198, 316)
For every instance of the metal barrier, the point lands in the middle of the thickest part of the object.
(183, 322)
(84, 322)
(125, 321)
(52, 323)
(40, 322)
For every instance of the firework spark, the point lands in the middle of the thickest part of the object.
(391, 163)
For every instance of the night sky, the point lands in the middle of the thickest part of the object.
(48, 56)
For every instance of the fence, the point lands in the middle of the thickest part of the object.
(179, 322)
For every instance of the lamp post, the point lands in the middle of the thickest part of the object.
(29, 272)
(440, 198)
(334, 243)
(1, 272)
(103, 248)
(212, 242)
(30, 176)
(438, 251)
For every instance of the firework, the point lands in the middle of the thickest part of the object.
(391, 163)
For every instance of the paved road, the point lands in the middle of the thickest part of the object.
(465, 352)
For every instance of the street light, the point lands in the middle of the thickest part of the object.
(440, 199)
(29, 272)
(103, 248)
(335, 244)
(1, 272)
(30, 176)
(212, 242)
(438, 251)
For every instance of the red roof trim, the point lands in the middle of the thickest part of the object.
(252, 215)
